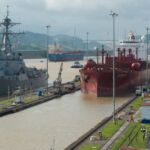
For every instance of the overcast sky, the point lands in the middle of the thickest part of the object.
(85, 15)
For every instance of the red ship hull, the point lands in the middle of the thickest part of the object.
(97, 78)
(100, 83)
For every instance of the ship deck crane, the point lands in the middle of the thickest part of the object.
(58, 81)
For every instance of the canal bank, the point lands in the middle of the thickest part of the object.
(77, 144)
(64, 119)
(52, 94)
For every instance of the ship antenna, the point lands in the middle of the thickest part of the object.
(7, 24)
(7, 11)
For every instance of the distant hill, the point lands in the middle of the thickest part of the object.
(37, 41)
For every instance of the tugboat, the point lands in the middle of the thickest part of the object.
(13, 71)
(77, 65)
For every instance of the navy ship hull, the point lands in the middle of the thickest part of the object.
(14, 74)
(10, 84)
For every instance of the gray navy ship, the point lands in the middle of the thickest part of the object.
(13, 71)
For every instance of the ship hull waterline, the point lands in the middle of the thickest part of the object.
(10, 85)
(100, 84)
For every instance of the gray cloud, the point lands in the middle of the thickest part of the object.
(85, 15)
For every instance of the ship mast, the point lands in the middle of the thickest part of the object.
(7, 24)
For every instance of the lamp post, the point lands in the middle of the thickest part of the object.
(74, 41)
(47, 27)
(113, 14)
(97, 57)
(8, 92)
(147, 29)
(87, 38)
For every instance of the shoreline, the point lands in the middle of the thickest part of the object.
(85, 136)
(38, 101)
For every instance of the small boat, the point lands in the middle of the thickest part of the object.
(77, 65)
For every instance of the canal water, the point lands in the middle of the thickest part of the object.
(59, 122)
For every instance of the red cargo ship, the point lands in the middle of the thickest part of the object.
(130, 71)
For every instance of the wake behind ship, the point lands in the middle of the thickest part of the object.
(13, 71)
(130, 71)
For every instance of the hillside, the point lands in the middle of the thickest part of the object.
(36, 41)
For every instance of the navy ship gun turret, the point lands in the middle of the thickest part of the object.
(13, 71)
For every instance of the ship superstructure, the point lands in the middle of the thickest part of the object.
(13, 71)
